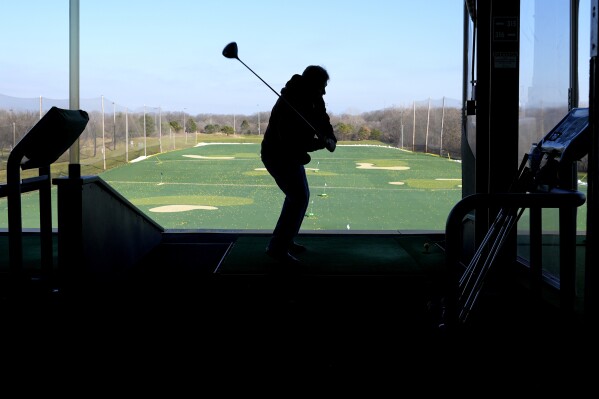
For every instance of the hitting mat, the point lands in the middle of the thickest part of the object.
(340, 255)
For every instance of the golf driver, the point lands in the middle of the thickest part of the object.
(231, 51)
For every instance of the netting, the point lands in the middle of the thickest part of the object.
(114, 135)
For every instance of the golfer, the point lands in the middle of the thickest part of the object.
(298, 124)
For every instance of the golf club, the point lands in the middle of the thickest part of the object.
(231, 51)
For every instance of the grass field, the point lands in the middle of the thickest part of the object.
(223, 185)
(363, 187)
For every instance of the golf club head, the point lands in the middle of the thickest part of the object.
(230, 50)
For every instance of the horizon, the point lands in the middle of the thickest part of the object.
(32, 104)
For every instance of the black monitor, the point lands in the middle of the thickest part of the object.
(551, 160)
(51, 136)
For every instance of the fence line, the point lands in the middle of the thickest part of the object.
(117, 134)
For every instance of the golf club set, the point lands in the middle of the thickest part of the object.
(548, 166)
(231, 51)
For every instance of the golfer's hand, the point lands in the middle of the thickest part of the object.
(330, 144)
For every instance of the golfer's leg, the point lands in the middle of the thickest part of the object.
(305, 199)
(294, 184)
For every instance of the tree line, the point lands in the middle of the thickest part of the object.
(418, 128)
(421, 129)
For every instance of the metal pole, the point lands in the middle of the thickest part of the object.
(113, 126)
(414, 128)
(591, 276)
(74, 79)
(126, 134)
(160, 127)
(103, 143)
(442, 122)
(574, 89)
(428, 118)
(401, 123)
(145, 135)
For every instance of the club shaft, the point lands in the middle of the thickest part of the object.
(258, 76)
(283, 98)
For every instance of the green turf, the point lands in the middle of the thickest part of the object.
(247, 198)
(231, 178)
(341, 255)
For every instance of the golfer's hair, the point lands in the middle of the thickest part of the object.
(316, 74)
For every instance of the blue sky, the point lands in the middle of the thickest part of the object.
(167, 54)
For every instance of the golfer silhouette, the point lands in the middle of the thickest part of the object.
(298, 124)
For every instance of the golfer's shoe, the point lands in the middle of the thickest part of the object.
(296, 248)
(282, 256)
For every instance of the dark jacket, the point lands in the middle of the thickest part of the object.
(288, 137)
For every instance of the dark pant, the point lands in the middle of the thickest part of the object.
(293, 182)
